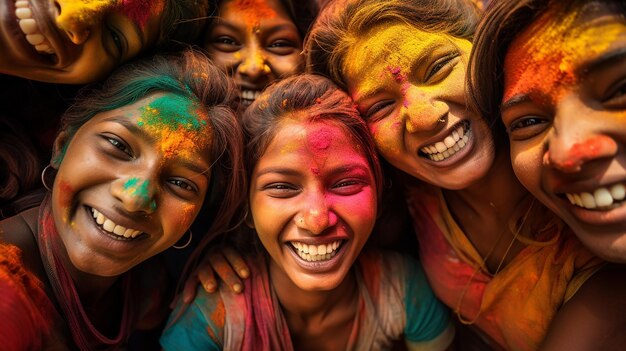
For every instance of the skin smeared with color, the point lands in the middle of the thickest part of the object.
(565, 111)
(140, 189)
(177, 122)
(531, 65)
(405, 82)
(253, 11)
(89, 12)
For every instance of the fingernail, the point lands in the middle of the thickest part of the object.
(244, 273)
(210, 287)
(237, 287)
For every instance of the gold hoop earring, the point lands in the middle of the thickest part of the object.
(43, 177)
(186, 244)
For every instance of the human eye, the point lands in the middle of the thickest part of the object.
(441, 67)
(282, 47)
(119, 147)
(347, 187)
(526, 127)
(226, 43)
(378, 110)
(116, 42)
(616, 96)
(183, 184)
(281, 190)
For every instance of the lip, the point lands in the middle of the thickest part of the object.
(17, 39)
(615, 217)
(319, 266)
(459, 155)
(100, 238)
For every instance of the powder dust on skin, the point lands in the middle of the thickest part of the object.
(178, 124)
(78, 14)
(533, 61)
(139, 188)
(383, 57)
(65, 198)
(253, 11)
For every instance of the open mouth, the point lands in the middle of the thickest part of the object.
(31, 29)
(314, 253)
(248, 96)
(448, 145)
(601, 199)
(115, 230)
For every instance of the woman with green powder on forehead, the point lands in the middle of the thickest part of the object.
(134, 164)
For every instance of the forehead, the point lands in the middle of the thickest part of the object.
(253, 12)
(551, 50)
(311, 138)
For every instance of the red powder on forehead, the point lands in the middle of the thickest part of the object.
(140, 10)
(253, 11)
(320, 140)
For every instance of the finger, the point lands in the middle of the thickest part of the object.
(222, 267)
(236, 261)
(189, 290)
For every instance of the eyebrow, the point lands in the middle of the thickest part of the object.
(521, 98)
(415, 62)
(141, 133)
(292, 172)
(601, 62)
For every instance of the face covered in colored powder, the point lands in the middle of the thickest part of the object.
(256, 42)
(74, 41)
(564, 107)
(409, 86)
(131, 182)
(313, 201)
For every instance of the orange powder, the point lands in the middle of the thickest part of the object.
(253, 11)
(543, 58)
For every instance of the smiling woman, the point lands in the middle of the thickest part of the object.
(258, 42)
(134, 165)
(77, 42)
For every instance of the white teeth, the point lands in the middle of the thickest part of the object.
(29, 27)
(112, 227)
(601, 198)
(313, 253)
(450, 145)
(250, 94)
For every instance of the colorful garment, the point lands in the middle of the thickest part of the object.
(516, 306)
(395, 301)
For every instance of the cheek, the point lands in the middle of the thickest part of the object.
(528, 166)
(284, 66)
(386, 135)
(186, 215)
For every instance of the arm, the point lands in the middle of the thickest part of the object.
(595, 317)
(229, 266)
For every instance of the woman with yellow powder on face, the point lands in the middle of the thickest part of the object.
(552, 75)
(258, 41)
(501, 261)
(69, 42)
(137, 161)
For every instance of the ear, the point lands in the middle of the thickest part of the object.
(58, 149)
(248, 217)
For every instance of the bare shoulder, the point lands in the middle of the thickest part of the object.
(595, 317)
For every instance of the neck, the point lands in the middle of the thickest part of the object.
(312, 306)
(498, 191)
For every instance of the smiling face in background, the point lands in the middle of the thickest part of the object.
(409, 86)
(256, 42)
(72, 41)
(131, 182)
(564, 107)
(313, 201)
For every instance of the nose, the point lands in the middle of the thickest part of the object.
(316, 216)
(421, 111)
(253, 63)
(135, 194)
(568, 155)
(76, 18)
(576, 138)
